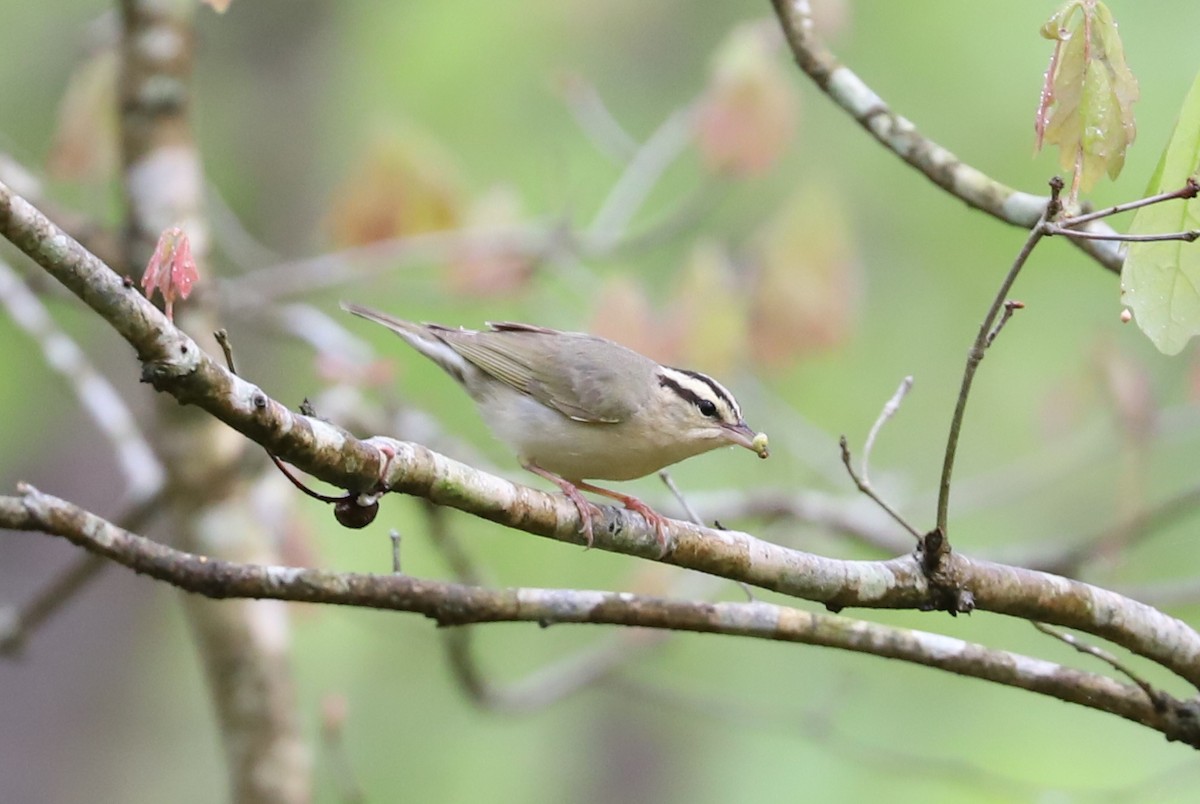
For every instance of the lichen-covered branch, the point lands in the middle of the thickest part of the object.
(451, 604)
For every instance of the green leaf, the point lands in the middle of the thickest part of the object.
(1160, 281)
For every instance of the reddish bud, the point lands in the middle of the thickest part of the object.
(171, 270)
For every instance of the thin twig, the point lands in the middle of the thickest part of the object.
(669, 481)
(394, 535)
(889, 410)
(1078, 644)
(222, 338)
(1010, 307)
(16, 625)
(666, 478)
(1189, 190)
(1187, 237)
(975, 356)
(866, 489)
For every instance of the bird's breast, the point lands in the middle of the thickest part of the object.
(573, 449)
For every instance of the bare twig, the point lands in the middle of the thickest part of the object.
(975, 356)
(1156, 697)
(16, 625)
(1187, 237)
(669, 481)
(1188, 190)
(394, 535)
(863, 480)
(1010, 307)
(889, 410)
(866, 489)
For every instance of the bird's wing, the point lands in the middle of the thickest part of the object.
(575, 377)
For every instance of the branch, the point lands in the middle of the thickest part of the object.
(902, 138)
(244, 647)
(174, 364)
(460, 604)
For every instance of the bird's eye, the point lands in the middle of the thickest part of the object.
(707, 408)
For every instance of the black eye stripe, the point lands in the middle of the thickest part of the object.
(718, 391)
(706, 406)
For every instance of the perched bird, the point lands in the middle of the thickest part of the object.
(576, 407)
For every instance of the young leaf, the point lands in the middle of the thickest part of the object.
(805, 297)
(748, 113)
(709, 307)
(1087, 99)
(404, 184)
(85, 139)
(171, 269)
(489, 263)
(1160, 281)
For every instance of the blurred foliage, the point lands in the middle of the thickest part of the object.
(305, 111)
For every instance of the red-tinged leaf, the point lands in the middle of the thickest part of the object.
(404, 184)
(807, 290)
(747, 116)
(1086, 105)
(85, 140)
(709, 310)
(493, 261)
(171, 270)
(624, 314)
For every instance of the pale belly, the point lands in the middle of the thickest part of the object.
(580, 450)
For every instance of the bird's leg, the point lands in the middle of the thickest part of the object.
(584, 507)
(634, 504)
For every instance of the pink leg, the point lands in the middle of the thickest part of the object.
(584, 507)
(634, 504)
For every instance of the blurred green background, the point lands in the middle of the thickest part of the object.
(107, 702)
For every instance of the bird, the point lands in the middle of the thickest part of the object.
(576, 407)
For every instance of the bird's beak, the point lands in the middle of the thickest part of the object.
(743, 436)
